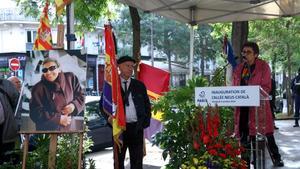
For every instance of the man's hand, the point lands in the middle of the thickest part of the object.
(110, 119)
(68, 109)
(65, 120)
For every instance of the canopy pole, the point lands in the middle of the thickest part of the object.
(191, 52)
(192, 24)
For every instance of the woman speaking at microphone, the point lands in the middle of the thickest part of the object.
(254, 71)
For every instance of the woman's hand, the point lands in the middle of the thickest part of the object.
(68, 109)
(65, 120)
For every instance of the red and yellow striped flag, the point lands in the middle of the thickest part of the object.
(60, 6)
(113, 103)
(43, 40)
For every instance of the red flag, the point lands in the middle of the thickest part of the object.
(112, 88)
(157, 83)
(156, 80)
(43, 40)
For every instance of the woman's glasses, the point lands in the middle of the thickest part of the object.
(51, 68)
(246, 52)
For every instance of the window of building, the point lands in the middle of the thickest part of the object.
(207, 66)
(31, 36)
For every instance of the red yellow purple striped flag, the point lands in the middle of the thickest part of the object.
(112, 98)
(157, 83)
(43, 40)
(156, 80)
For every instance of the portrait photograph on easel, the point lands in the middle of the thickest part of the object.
(53, 92)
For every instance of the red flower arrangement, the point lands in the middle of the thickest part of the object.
(214, 146)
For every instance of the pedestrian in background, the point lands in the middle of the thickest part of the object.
(295, 86)
(273, 100)
(16, 81)
(18, 84)
(8, 126)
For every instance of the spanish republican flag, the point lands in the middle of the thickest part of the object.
(60, 6)
(112, 98)
(157, 83)
(156, 80)
(43, 40)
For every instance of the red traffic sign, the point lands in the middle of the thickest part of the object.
(14, 64)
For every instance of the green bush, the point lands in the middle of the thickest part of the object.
(179, 112)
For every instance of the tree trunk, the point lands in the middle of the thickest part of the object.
(135, 19)
(288, 84)
(288, 91)
(168, 53)
(170, 67)
(202, 62)
(238, 37)
(274, 59)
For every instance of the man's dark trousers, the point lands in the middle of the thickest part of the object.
(297, 108)
(133, 139)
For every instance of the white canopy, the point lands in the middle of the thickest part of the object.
(213, 11)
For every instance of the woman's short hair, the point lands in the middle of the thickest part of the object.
(47, 60)
(252, 45)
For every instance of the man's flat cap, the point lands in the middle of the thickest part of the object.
(125, 59)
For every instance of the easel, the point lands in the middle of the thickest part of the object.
(52, 147)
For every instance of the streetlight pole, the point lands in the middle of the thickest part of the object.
(70, 26)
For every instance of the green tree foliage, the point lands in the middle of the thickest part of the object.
(279, 42)
(206, 47)
(87, 12)
(171, 39)
(275, 37)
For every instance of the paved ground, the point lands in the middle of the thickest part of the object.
(288, 141)
(153, 159)
(287, 138)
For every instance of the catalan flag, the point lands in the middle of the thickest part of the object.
(60, 6)
(157, 83)
(112, 99)
(43, 40)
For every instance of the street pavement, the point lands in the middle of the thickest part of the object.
(152, 160)
(287, 139)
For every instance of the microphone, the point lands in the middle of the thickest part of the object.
(244, 56)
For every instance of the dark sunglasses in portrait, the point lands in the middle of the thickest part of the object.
(51, 68)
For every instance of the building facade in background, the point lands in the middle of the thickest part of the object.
(18, 32)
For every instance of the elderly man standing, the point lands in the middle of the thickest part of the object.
(138, 113)
(16, 81)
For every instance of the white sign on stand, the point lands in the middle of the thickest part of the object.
(227, 96)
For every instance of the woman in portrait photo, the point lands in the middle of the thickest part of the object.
(55, 98)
